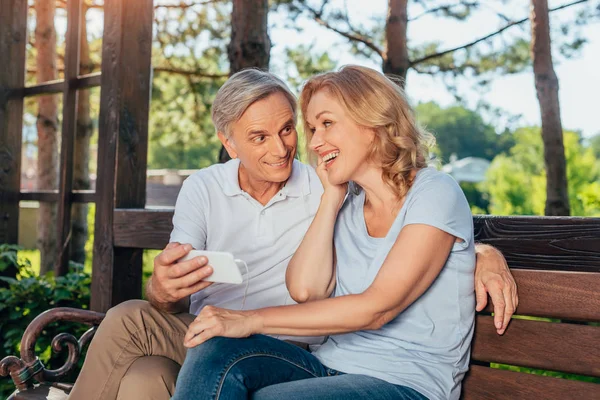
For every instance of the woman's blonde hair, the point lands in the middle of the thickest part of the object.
(375, 102)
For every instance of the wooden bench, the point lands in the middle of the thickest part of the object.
(556, 263)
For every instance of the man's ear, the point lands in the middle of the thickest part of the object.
(227, 144)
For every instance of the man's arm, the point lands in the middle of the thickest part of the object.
(493, 276)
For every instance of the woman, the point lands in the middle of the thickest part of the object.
(392, 240)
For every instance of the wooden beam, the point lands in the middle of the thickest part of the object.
(69, 127)
(143, 229)
(122, 150)
(13, 40)
(482, 383)
(51, 196)
(57, 86)
(543, 242)
(557, 294)
(543, 345)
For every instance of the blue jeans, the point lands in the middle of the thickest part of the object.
(264, 368)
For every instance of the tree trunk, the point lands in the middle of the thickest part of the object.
(396, 60)
(250, 46)
(81, 178)
(47, 127)
(546, 85)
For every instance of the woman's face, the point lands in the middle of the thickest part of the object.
(342, 144)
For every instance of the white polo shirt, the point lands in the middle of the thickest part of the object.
(213, 213)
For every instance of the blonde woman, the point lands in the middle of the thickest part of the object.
(385, 269)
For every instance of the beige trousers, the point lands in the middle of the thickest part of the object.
(135, 354)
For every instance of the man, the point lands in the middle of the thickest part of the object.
(258, 207)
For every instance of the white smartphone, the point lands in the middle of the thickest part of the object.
(225, 268)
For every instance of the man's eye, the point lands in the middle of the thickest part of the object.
(287, 130)
(259, 139)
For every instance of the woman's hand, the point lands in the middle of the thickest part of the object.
(334, 194)
(214, 321)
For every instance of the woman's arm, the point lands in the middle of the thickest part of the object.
(310, 274)
(412, 265)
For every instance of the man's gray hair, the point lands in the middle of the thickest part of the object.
(243, 89)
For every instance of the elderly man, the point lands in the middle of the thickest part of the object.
(257, 206)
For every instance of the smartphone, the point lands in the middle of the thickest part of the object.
(225, 267)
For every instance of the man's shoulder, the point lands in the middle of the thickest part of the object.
(208, 176)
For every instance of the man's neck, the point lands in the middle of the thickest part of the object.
(261, 191)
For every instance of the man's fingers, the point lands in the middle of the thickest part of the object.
(169, 256)
(193, 289)
(509, 309)
(186, 267)
(481, 296)
(499, 304)
(194, 277)
(172, 245)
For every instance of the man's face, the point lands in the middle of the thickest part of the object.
(265, 139)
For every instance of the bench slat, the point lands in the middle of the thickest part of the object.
(538, 344)
(484, 383)
(557, 294)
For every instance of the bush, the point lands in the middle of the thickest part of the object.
(27, 296)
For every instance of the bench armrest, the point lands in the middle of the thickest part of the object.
(23, 370)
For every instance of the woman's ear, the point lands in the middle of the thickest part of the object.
(228, 144)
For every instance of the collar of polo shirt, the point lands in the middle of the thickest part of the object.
(297, 185)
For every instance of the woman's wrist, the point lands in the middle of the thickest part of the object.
(256, 322)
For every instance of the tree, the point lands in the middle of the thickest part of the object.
(595, 144)
(47, 127)
(387, 43)
(461, 131)
(396, 59)
(250, 46)
(546, 85)
(516, 182)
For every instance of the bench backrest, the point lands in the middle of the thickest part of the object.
(564, 294)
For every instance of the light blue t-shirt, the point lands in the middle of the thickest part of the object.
(426, 347)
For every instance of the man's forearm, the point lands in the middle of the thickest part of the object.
(180, 306)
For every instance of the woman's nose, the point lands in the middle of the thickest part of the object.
(316, 141)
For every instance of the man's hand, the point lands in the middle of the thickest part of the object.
(172, 281)
(214, 321)
(493, 276)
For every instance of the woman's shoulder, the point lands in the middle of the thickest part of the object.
(430, 179)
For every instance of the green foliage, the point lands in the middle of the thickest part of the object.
(307, 63)
(29, 295)
(516, 182)
(460, 131)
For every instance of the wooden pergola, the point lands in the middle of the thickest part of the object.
(125, 82)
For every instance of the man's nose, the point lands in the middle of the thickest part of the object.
(278, 147)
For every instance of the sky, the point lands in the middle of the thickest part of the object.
(579, 78)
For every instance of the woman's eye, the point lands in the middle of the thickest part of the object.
(326, 124)
(312, 130)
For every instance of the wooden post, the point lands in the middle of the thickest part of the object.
(69, 125)
(13, 39)
(122, 147)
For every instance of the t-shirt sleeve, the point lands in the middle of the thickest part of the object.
(440, 202)
(189, 220)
